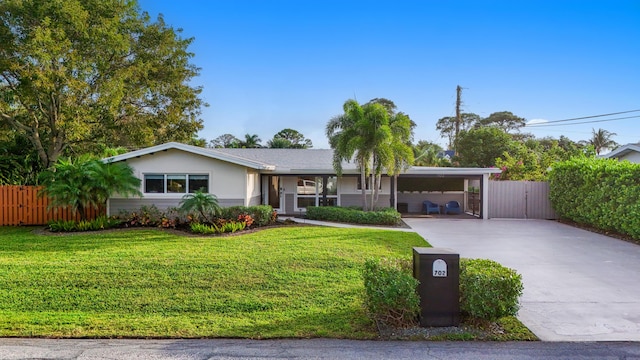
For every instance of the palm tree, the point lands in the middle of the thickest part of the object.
(203, 203)
(87, 183)
(601, 140)
(251, 141)
(374, 137)
(347, 140)
(113, 178)
(279, 143)
(426, 154)
(379, 139)
(402, 156)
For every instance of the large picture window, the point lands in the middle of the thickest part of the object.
(175, 183)
(316, 191)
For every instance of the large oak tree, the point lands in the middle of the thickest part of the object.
(76, 73)
(480, 147)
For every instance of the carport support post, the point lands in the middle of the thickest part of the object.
(465, 207)
(484, 197)
(393, 197)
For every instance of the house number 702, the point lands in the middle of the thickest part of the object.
(439, 268)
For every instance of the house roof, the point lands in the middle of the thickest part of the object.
(623, 151)
(294, 161)
(290, 161)
(211, 153)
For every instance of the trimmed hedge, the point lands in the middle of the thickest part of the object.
(488, 290)
(391, 292)
(387, 216)
(603, 193)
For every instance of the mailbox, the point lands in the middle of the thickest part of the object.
(438, 271)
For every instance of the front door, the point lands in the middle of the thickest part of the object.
(276, 200)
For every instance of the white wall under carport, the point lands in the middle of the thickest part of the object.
(482, 174)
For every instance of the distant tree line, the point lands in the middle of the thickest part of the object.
(496, 141)
(283, 139)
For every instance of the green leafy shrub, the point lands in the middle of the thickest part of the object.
(223, 227)
(488, 290)
(145, 216)
(152, 216)
(387, 216)
(199, 228)
(84, 225)
(105, 222)
(262, 215)
(232, 226)
(603, 193)
(391, 292)
(62, 226)
(99, 223)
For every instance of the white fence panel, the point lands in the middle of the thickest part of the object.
(520, 200)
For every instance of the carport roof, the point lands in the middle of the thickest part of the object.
(449, 171)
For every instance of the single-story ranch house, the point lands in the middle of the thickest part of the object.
(287, 179)
(630, 152)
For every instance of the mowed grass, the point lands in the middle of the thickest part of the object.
(281, 282)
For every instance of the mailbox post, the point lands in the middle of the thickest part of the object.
(438, 271)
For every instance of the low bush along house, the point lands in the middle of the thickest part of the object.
(287, 179)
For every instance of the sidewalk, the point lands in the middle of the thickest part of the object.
(343, 225)
(234, 349)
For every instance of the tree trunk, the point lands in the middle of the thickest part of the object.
(363, 183)
(48, 156)
(377, 189)
(83, 215)
(372, 184)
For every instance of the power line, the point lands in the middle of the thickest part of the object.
(583, 122)
(589, 117)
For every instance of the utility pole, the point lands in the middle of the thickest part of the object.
(458, 118)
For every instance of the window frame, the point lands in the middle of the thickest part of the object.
(318, 196)
(166, 179)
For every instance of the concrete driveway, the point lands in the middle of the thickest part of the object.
(578, 285)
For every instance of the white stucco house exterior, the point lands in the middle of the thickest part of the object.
(287, 179)
(630, 152)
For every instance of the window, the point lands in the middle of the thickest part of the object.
(175, 183)
(154, 183)
(316, 191)
(198, 182)
(307, 186)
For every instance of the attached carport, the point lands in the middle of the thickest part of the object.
(468, 186)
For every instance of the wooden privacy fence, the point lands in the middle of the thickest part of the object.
(21, 205)
(520, 200)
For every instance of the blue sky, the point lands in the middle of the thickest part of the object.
(270, 65)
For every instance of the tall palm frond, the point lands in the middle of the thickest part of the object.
(602, 139)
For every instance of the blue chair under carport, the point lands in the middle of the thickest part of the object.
(428, 207)
(452, 207)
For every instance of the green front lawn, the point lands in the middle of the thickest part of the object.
(281, 282)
